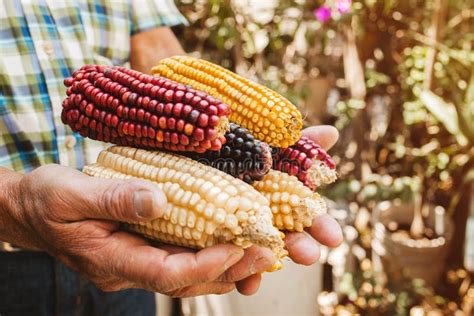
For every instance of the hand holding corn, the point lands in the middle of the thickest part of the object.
(75, 218)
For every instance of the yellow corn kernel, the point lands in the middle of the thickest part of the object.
(292, 203)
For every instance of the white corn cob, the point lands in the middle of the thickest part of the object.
(205, 205)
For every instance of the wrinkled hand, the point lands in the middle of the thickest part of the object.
(75, 218)
(304, 248)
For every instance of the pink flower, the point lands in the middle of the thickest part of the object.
(343, 6)
(323, 14)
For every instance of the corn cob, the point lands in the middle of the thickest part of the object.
(292, 203)
(126, 107)
(308, 161)
(242, 156)
(205, 206)
(269, 116)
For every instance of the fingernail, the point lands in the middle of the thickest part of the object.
(261, 264)
(146, 204)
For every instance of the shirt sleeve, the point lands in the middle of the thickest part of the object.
(149, 14)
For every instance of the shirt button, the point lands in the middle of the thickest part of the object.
(70, 142)
(48, 47)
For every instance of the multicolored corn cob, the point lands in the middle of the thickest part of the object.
(308, 161)
(242, 156)
(205, 205)
(126, 107)
(269, 116)
(294, 206)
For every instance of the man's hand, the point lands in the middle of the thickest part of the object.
(75, 218)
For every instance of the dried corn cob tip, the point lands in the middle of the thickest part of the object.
(294, 206)
(205, 205)
(306, 160)
(126, 107)
(269, 116)
(242, 156)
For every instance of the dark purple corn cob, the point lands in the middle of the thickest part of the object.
(241, 156)
(306, 160)
(129, 108)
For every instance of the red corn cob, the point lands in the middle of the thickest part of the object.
(126, 107)
(308, 161)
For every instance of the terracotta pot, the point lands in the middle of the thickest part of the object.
(417, 259)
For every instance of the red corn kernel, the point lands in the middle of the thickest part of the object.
(206, 144)
(131, 129)
(174, 138)
(180, 125)
(222, 109)
(154, 121)
(198, 134)
(145, 102)
(132, 114)
(216, 144)
(167, 137)
(125, 112)
(195, 100)
(203, 120)
(152, 106)
(107, 119)
(186, 110)
(171, 123)
(178, 96)
(114, 121)
(168, 108)
(125, 97)
(212, 110)
(211, 133)
(177, 109)
(154, 91)
(162, 122)
(213, 120)
(188, 97)
(140, 115)
(183, 139)
(169, 95)
(151, 133)
(138, 130)
(160, 108)
(89, 109)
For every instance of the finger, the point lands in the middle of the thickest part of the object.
(121, 200)
(176, 249)
(131, 258)
(249, 285)
(302, 248)
(255, 260)
(326, 230)
(204, 289)
(325, 135)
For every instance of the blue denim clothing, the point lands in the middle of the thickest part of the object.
(34, 283)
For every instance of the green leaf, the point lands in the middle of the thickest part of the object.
(466, 112)
(445, 113)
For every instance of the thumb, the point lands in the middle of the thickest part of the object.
(120, 200)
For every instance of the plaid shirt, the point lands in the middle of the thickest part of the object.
(41, 43)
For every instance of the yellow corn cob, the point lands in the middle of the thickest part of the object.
(269, 116)
(205, 205)
(293, 204)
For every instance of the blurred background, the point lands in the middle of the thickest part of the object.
(396, 78)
